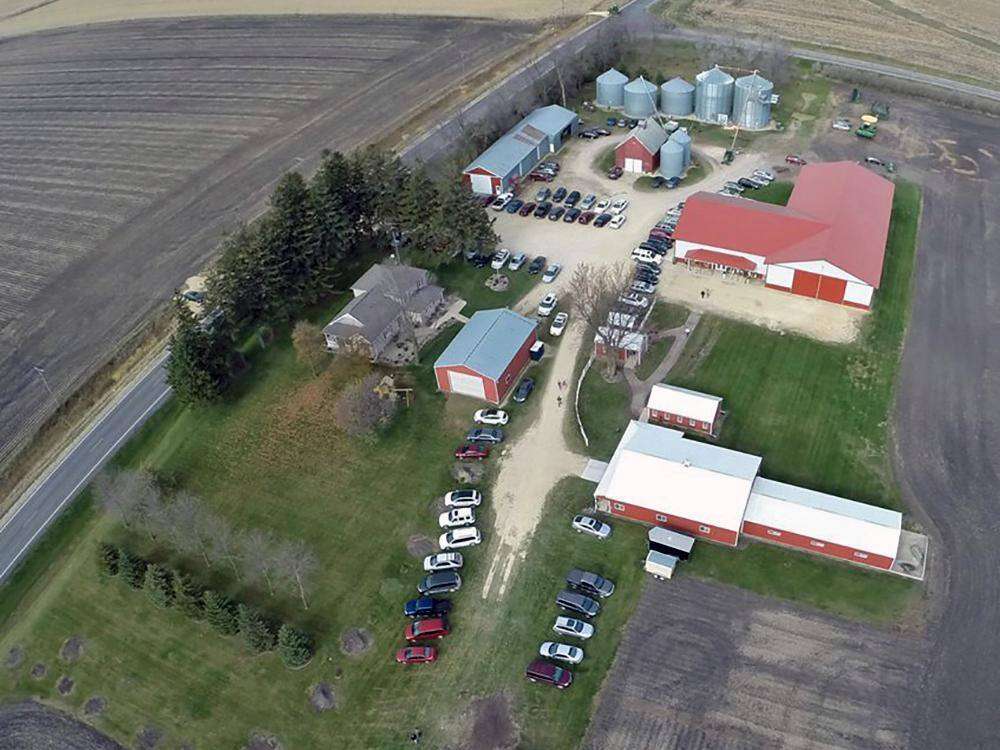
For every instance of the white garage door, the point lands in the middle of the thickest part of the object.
(482, 183)
(468, 385)
(633, 165)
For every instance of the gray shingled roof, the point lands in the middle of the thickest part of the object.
(373, 312)
(650, 134)
(402, 278)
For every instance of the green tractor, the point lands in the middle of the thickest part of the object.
(866, 131)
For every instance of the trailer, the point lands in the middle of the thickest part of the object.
(670, 543)
(659, 565)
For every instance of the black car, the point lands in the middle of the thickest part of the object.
(556, 213)
(588, 134)
(744, 182)
(602, 131)
(658, 182)
(426, 606)
(577, 603)
(673, 182)
(573, 198)
(571, 215)
(524, 390)
(481, 261)
(543, 210)
(646, 278)
(601, 220)
(632, 123)
(537, 265)
(443, 582)
(559, 194)
(589, 583)
(485, 435)
(514, 206)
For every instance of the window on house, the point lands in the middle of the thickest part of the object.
(704, 530)
(814, 543)
(619, 506)
(691, 422)
(773, 532)
(861, 555)
(661, 518)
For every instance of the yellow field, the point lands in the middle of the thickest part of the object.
(24, 16)
(958, 38)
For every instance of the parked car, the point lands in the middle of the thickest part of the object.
(559, 194)
(573, 198)
(443, 561)
(571, 215)
(481, 260)
(622, 122)
(442, 582)
(672, 182)
(634, 300)
(590, 583)
(455, 517)
(542, 176)
(463, 499)
(874, 161)
(588, 525)
(795, 159)
(547, 305)
(589, 134)
(542, 210)
(611, 122)
(416, 655)
(527, 208)
(602, 219)
(615, 172)
(764, 175)
(632, 123)
(617, 221)
(551, 272)
(577, 603)
(746, 182)
(491, 417)
(550, 165)
(514, 206)
(557, 213)
(841, 123)
(472, 452)
(561, 652)
(602, 205)
(572, 627)
(425, 630)
(658, 182)
(501, 201)
(537, 264)
(500, 259)
(588, 202)
(586, 217)
(523, 390)
(426, 606)
(602, 131)
(485, 435)
(466, 536)
(487, 200)
(516, 261)
(643, 287)
(734, 187)
(559, 324)
(641, 254)
(548, 673)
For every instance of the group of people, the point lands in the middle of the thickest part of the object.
(562, 385)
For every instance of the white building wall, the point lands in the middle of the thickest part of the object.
(780, 276)
(858, 293)
(681, 247)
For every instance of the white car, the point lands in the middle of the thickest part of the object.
(496, 417)
(642, 287)
(619, 205)
(547, 305)
(463, 499)
(551, 272)
(443, 561)
(516, 261)
(602, 205)
(617, 221)
(573, 627)
(559, 324)
(841, 123)
(500, 202)
(561, 652)
(763, 174)
(466, 536)
(500, 259)
(456, 517)
(634, 300)
(642, 255)
(587, 525)
(587, 203)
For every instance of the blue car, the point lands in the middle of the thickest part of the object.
(426, 606)
(524, 390)
(514, 206)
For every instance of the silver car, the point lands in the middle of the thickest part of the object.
(589, 525)
(561, 652)
(573, 627)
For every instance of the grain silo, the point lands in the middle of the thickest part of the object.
(752, 101)
(677, 97)
(640, 98)
(713, 95)
(671, 159)
(682, 139)
(611, 88)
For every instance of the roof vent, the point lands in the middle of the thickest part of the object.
(685, 463)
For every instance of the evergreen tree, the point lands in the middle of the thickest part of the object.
(187, 596)
(336, 208)
(131, 569)
(198, 367)
(219, 613)
(257, 632)
(107, 559)
(294, 646)
(288, 232)
(461, 223)
(233, 286)
(159, 586)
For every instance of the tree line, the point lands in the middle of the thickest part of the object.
(294, 254)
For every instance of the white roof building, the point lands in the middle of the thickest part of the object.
(672, 399)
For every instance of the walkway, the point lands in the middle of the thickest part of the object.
(640, 388)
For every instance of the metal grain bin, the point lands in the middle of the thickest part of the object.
(640, 98)
(713, 95)
(752, 101)
(677, 97)
(611, 88)
(683, 139)
(671, 159)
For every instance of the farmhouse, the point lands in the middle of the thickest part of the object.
(678, 407)
(502, 166)
(486, 357)
(827, 243)
(640, 151)
(660, 477)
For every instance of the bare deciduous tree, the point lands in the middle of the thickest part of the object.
(259, 557)
(128, 494)
(224, 541)
(310, 345)
(183, 513)
(297, 564)
(359, 409)
(596, 290)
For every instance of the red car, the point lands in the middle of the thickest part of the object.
(472, 452)
(486, 200)
(615, 172)
(795, 159)
(586, 217)
(426, 630)
(416, 655)
(527, 209)
(545, 672)
(541, 176)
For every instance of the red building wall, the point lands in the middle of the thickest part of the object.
(791, 539)
(821, 287)
(509, 377)
(638, 513)
(632, 148)
(676, 420)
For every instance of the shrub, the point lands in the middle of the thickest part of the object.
(107, 559)
(131, 569)
(359, 409)
(219, 613)
(159, 586)
(257, 632)
(294, 646)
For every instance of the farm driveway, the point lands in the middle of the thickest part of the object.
(31, 726)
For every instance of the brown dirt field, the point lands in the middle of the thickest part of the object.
(958, 39)
(25, 16)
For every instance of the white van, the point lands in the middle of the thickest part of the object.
(642, 255)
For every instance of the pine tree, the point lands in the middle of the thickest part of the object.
(289, 231)
(219, 613)
(187, 596)
(336, 209)
(294, 646)
(198, 367)
(131, 569)
(159, 586)
(257, 632)
(107, 560)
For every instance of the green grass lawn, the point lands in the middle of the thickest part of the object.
(468, 283)
(665, 315)
(777, 192)
(604, 160)
(604, 411)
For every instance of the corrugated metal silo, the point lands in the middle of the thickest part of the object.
(671, 159)
(640, 98)
(713, 95)
(677, 97)
(611, 88)
(752, 101)
(683, 139)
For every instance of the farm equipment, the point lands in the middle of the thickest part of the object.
(856, 95)
(727, 158)
(880, 110)
(869, 127)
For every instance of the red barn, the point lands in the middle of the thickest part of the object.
(677, 407)
(640, 151)
(486, 357)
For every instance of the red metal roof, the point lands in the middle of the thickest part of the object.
(838, 212)
(723, 259)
